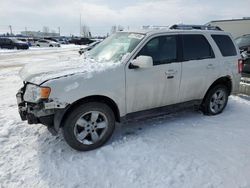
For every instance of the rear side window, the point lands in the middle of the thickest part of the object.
(196, 47)
(225, 45)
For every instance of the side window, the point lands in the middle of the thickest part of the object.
(225, 45)
(162, 49)
(196, 47)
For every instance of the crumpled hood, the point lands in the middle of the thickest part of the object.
(39, 72)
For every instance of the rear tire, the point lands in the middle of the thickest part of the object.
(89, 126)
(215, 100)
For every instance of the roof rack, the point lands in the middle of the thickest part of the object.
(198, 27)
(155, 27)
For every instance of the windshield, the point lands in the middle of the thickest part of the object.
(115, 47)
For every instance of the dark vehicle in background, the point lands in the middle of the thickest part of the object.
(243, 43)
(81, 41)
(89, 47)
(62, 41)
(51, 39)
(246, 63)
(12, 43)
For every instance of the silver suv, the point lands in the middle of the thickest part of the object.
(130, 75)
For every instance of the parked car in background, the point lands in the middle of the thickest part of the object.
(89, 47)
(62, 41)
(46, 43)
(51, 39)
(81, 41)
(32, 41)
(243, 42)
(12, 43)
(246, 63)
(25, 40)
(130, 75)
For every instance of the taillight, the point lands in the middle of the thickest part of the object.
(240, 65)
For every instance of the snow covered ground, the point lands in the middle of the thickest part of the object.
(185, 149)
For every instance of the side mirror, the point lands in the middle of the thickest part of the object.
(141, 62)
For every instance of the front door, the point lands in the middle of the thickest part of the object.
(157, 86)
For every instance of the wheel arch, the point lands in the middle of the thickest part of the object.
(225, 80)
(94, 98)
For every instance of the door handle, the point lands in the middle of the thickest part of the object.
(170, 73)
(170, 77)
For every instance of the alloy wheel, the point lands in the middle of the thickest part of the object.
(218, 101)
(91, 127)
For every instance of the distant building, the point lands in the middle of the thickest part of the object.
(39, 34)
(237, 27)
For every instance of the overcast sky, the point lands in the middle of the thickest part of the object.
(100, 15)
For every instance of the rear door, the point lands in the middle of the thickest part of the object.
(4, 43)
(198, 64)
(157, 86)
(8, 44)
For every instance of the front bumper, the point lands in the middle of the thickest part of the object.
(22, 108)
(35, 113)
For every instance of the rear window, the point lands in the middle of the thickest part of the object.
(225, 45)
(196, 47)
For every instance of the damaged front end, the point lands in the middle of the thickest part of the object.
(39, 109)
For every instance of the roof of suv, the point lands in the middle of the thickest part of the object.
(157, 31)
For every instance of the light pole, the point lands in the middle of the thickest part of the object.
(59, 31)
(10, 29)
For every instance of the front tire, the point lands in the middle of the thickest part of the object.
(89, 126)
(215, 101)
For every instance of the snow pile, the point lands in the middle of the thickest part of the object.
(33, 48)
